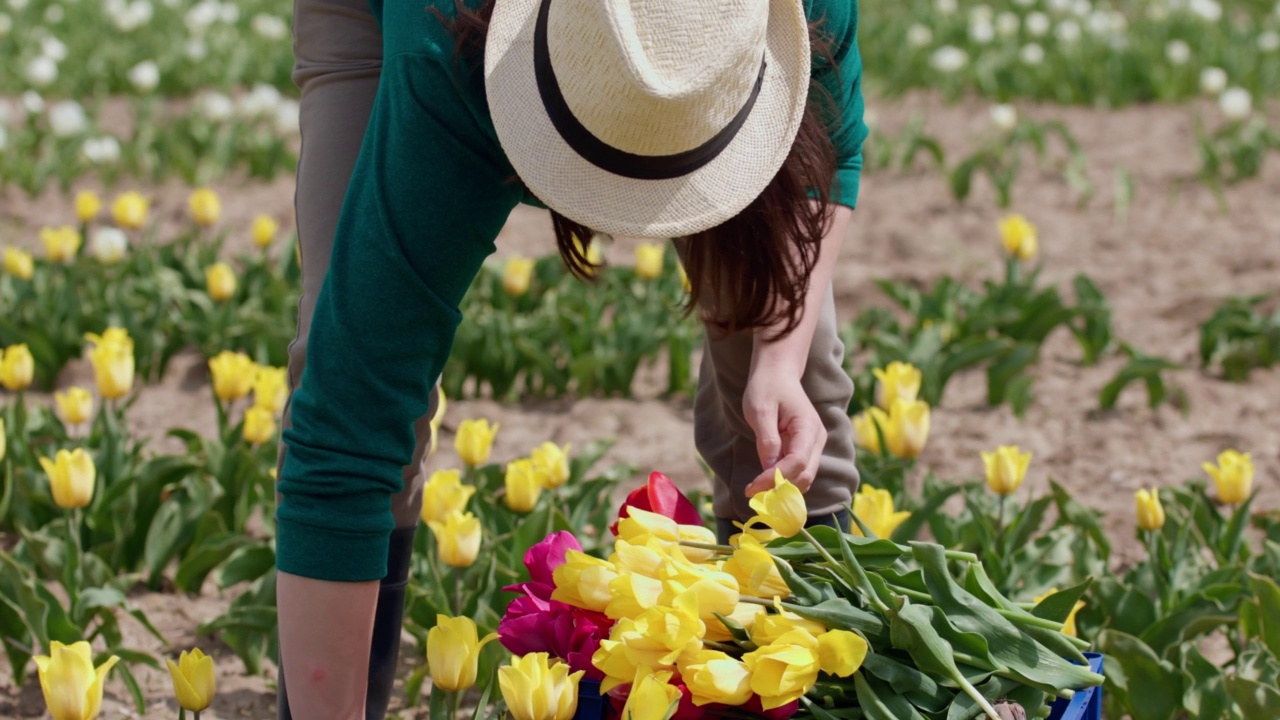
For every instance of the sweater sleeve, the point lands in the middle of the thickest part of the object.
(428, 195)
(841, 77)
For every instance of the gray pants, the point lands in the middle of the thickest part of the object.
(338, 50)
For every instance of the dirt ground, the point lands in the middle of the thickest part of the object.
(1163, 270)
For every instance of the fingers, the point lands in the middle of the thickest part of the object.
(763, 419)
(801, 446)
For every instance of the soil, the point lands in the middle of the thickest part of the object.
(1164, 269)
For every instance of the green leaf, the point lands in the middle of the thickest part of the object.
(880, 702)
(245, 565)
(1059, 605)
(1268, 594)
(1154, 687)
(1255, 699)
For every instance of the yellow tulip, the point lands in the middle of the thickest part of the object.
(1019, 237)
(649, 260)
(457, 539)
(698, 534)
(516, 276)
(72, 476)
(17, 368)
(768, 626)
(1149, 510)
(639, 525)
(263, 231)
(745, 615)
(220, 281)
(534, 689)
(654, 641)
(785, 669)
(630, 594)
(442, 403)
(60, 244)
(781, 508)
(762, 534)
(755, 570)
(75, 405)
(474, 441)
(1006, 469)
(4, 442)
(444, 494)
(453, 652)
(1069, 626)
(233, 375)
(652, 697)
(898, 380)
(874, 507)
(714, 591)
(684, 279)
(72, 686)
(88, 205)
(643, 558)
(194, 681)
(714, 677)
(19, 263)
(130, 210)
(524, 487)
(111, 355)
(1233, 476)
(583, 581)
(865, 433)
(552, 464)
(841, 652)
(908, 428)
(270, 388)
(259, 426)
(205, 207)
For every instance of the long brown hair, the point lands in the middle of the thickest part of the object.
(757, 264)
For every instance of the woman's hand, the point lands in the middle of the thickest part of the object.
(789, 434)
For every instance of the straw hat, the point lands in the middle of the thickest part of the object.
(647, 118)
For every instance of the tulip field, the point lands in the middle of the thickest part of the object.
(1060, 307)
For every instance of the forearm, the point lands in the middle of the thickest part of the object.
(790, 353)
(324, 637)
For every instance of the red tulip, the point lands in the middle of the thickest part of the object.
(661, 496)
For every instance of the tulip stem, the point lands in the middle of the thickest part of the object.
(1000, 527)
(457, 594)
(456, 697)
(723, 549)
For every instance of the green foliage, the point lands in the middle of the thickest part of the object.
(1239, 338)
(1235, 151)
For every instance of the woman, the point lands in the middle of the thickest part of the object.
(645, 118)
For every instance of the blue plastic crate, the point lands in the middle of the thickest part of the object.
(1085, 704)
(591, 705)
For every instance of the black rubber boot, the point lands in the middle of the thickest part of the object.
(384, 651)
(384, 648)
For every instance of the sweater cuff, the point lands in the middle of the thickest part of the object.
(354, 557)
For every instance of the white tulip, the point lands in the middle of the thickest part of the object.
(259, 101)
(1004, 116)
(6, 24)
(1007, 24)
(32, 102)
(269, 26)
(1038, 24)
(54, 14)
(196, 49)
(949, 59)
(919, 36)
(53, 48)
(286, 117)
(18, 5)
(1082, 8)
(1269, 41)
(229, 13)
(1060, 6)
(67, 118)
(1208, 10)
(982, 31)
(1032, 54)
(108, 244)
(1068, 32)
(201, 16)
(42, 71)
(100, 151)
(1213, 80)
(145, 76)
(215, 106)
(946, 7)
(1235, 103)
(1178, 52)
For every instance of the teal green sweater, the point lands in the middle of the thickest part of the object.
(429, 193)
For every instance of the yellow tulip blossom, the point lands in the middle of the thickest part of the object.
(474, 441)
(523, 485)
(646, 558)
(762, 534)
(270, 388)
(220, 281)
(259, 426)
(908, 428)
(88, 205)
(194, 680)
(442, 404)
(714, 677)
(715, 591)
(756, 571)
(583, 581)
(517, 274)
(1006, 469)
(768, 626)
(630, 594)
(652, 697)
(129, 210)
(1233, 476)
(745, 615)
(1068, 626)
(639, 524)
(233, 375)
(205, 207)
(1019, 237)
(443, 494)
(698, 534)
(72, 686)
(781, 508)
(4, 441)
(263, 231)
(865, 433)
(649, 260)
(874, 507)
(896, 381)
(72, 476)
(785, 669)
(535, 689)
(457, 539)
(75, 405)
(111, 355)
(841, 652)
(552, 464)
(453, 652)
(19, 263)
(654, 641)
(684, 278)
(1149, 510)
(60, 243)
(17, 368)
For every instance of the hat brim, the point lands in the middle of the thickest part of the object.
(617, 205)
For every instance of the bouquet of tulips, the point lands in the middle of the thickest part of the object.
(785, 621)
